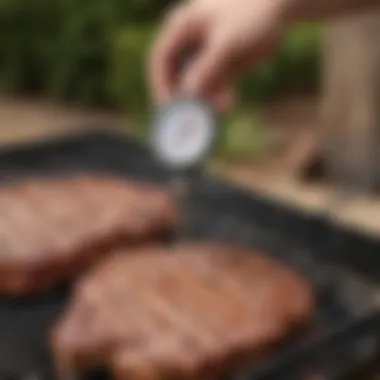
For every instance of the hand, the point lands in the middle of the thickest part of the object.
(230, 36)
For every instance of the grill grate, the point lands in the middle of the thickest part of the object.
(346, 328)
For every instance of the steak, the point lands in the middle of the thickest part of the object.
(53, 229)
(179, 312)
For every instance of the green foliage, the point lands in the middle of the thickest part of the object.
(94, 51)
(127, 68)
(296, 65)
(23, 28)
(243, 136)
(62, 47)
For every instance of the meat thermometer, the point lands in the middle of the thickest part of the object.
(184, 134)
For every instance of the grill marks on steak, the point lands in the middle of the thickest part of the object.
(182, 312)
(51, 229)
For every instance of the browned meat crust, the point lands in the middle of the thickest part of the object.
(53, 229)
(181, 313)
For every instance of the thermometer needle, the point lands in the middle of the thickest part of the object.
(186, 132)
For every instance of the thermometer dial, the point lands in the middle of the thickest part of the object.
(184, 134)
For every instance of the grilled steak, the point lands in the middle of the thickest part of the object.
(179, 312)
(52, 229)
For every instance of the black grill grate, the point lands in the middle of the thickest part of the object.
(342, 266)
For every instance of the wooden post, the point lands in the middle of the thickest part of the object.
(351, 102)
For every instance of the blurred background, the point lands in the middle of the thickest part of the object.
(307, 121)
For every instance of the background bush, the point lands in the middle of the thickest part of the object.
(62, 47)
(295, 67)
(93, 52)
(127, 82)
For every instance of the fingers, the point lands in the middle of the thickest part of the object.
(222, 61)
(210, 69)
(225, 49)
(183, 28)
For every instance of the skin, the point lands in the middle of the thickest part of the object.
(226, 38)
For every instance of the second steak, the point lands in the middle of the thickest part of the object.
(52, 229)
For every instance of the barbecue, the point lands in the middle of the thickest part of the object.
(341, 266)
(52, 229)
(183, 312)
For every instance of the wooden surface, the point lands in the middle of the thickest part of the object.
(25, 120)
(361, 213)
(350, 117)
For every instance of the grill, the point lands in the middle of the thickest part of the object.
(344, 337)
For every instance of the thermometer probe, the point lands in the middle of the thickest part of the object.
(183, 138)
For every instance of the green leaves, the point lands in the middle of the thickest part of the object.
(244, 136)
(296, 65)
(127, 82)
(94, 51)
(63, 47)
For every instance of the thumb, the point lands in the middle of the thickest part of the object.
(208, 69)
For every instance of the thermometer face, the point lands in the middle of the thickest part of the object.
(184, 134)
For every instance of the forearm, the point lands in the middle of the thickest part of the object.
(306, 10)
